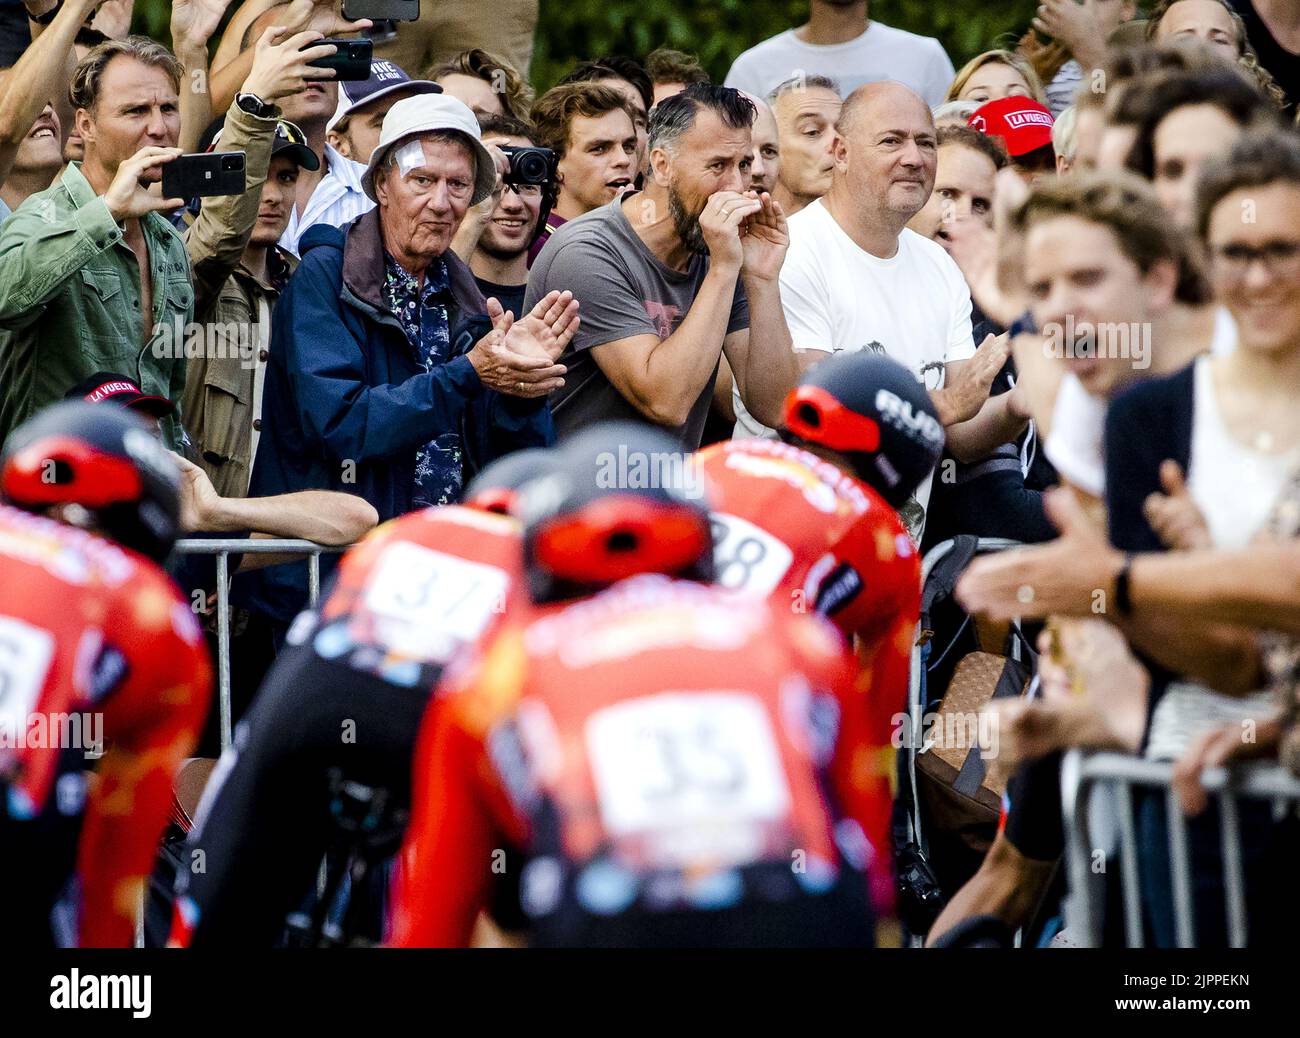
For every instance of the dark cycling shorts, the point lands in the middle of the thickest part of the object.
(261, 836)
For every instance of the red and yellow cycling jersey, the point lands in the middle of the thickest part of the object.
(661, 744)
(97, 648)
(808, 536)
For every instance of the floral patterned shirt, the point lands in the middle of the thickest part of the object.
(423, 314)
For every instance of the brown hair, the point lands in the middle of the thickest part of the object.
(1247, 59)
(556, 109)
(990, 147)
(515, 93)
(1126, 204)
(1256, 160)
(84, 89)
(666, 65)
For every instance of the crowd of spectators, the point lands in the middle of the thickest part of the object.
(389, 305)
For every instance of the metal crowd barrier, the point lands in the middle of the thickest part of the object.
(1081, 773)
(223, 549)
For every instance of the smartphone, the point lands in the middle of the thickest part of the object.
(207, 173)
(382, 10)
(351, 61)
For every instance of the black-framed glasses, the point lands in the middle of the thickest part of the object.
(1280, 257)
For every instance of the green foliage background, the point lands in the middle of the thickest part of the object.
(715, 30)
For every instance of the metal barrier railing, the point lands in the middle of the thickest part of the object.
(1081, 773)
(223, 549)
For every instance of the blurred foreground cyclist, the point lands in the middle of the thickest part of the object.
(811, 525)
(677, 764)
(104, 678)
(320, 765)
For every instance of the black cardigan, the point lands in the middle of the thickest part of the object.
(1145, 425)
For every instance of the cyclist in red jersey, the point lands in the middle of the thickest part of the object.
(810, 523)
(320, 765)
(104, 677)
(677, 766)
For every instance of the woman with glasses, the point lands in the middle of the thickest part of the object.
(1197, 460)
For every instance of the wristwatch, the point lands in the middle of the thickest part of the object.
(48, 16)
(254, 105)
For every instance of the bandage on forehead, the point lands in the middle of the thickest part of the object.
(409, 156)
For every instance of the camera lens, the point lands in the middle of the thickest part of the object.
(231, 163)
(531, 168)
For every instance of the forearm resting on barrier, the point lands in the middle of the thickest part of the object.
(323, 516)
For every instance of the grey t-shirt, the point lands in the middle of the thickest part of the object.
(624, 291)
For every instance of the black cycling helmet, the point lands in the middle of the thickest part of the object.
(494, 489)
(624, 499)
(870, 409)
(107, 461)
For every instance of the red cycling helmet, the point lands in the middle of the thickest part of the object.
(871, 410)
(104, 460)
(623, 500)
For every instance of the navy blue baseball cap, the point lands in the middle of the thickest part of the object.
(385, 78)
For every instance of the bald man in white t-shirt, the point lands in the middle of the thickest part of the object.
(856, 279)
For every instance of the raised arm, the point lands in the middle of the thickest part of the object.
(40, 77)
(321, 16)
(216, 240)
(762, 356)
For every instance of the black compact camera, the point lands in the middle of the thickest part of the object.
(530, 166)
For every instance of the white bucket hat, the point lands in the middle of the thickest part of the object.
(413, 117)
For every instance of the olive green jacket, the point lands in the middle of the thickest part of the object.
(235, 309)
(70, 302)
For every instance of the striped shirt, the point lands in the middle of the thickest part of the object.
(337, 200)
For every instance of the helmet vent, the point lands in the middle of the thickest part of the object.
(622, 542)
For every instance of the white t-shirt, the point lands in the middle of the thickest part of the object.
(913, 307)
(882, 52)
(1074, 446)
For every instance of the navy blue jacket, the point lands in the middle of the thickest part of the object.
(347, 402)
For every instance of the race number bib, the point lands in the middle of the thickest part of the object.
(745, 557)
(428, 590)
(26, 653)
(685, 760)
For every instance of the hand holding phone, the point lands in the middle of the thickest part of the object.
(351, 61)
(204, 174)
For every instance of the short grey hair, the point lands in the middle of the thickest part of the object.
(802, 82)
(958, 111)
(1065, 133)
(675, 115)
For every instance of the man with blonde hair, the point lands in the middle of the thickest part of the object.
(92, 276)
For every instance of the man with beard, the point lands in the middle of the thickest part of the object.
(670, 277)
